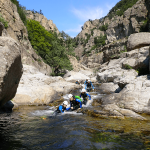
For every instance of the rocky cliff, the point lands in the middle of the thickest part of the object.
(116, 29)
(47, 24)
(18, 32)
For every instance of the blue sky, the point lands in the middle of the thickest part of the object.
(70, 15)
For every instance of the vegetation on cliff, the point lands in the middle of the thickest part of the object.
(50, 47)
(3, 21)
(121, 7)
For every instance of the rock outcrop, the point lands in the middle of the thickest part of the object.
(36, 88)
(117, 29)
(18, 32)
(47, 24)
(133, 96)
(138, 40)
(10, 68)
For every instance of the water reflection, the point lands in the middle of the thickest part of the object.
(28, 130)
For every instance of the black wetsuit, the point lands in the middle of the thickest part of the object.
(74, 104)
(89, 87)
(84, 95)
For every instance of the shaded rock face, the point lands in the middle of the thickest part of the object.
(138, 40)
(10, 68)
(47, 24)
(18, 32)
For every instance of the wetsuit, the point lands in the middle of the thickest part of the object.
(89, 86)
(60, 109)
(75, 104)
(84, 96)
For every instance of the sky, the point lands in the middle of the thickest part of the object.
(70, 15)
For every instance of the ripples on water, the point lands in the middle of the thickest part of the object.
(32, 129)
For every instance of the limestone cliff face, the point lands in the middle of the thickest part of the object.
(117, 32)
(18, 32)
(47, 24)
(127, 24)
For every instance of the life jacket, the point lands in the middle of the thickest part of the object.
(78, 97)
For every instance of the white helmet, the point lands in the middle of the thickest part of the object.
(70, 95)
(88, 80)
(65, 103)
(83, 90)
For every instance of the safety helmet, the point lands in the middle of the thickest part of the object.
(65, 103)
(70, 95)
(88, 80)
(83, 90)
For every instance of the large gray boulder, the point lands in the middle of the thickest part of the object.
(10, 68)
(108, 88)
(36, 88)
(138, 40)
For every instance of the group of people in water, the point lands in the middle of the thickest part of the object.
(77, 101)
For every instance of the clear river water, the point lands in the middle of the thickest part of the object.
(36, 128)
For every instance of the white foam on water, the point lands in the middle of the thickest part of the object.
(51, 110)
(43, 113)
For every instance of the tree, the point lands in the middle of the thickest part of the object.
(49, 47)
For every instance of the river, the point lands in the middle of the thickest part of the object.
(36, 128)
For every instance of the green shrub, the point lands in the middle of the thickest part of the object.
(104, 27)
(121, 7)
(125, 49)
(21, 11)
(49, 47)
(87, 39)
(100, 41)
(3, 21)
(127, 66)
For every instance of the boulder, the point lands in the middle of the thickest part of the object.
(134, 96)
(36, 88)
(10, 68)
(107, 88)
(138, 40)
(35, 95)
(74, 76)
